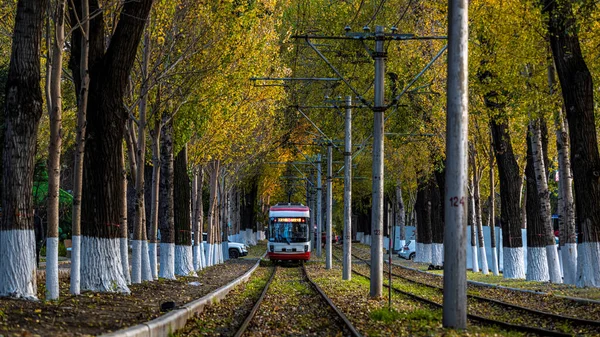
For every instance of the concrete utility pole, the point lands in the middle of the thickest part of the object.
(455, 210)
(377, 202)
(319, 207)
(347, 259)
(329, 208)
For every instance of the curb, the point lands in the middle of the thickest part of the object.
(176, 319)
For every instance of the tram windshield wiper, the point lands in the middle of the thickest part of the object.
(288, 241)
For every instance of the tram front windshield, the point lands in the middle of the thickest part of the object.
(288, 230)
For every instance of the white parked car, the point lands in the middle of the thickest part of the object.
(408, 251)
(236, 249)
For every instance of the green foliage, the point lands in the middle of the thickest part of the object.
(385, 315)
(62, 249)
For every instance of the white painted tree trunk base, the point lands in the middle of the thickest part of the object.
(588, 271)
(202, 256)
(423, 253)
(18, 264)
(184, 264)
(537, 264)
(514, 263)
(569, 263)
(52, 291)
(484, 263)
(360, 236)
(123, 245)
(167, 261)
(368, 239)
(136, 261)
(196, 249)
(475, 258)
(153, 255)
(76, 265)
(101, 268)
(146, 270)
(208, 254)
(437, 254)
(225, 248)
(495, 270)
(553, 264)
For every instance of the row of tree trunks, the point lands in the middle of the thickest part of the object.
(102, 187)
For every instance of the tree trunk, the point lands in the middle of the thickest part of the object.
(437, 222)
(510, 178)
(167, 220)
(124, 244)
(184, 263)
(566, 209)
(578, 95)
(198, 219)
(109, 73)
(544, 201)
(400, 214)
(23, 110)
(54, 150)
(423, 247)
(537, 262)
(154, 203)
(82, 73)
(212, 212)
(478, 217)
(492, 212)
(472, 221)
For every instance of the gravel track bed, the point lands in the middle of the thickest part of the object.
(97, 313)
(224, 318)
(408, 317)
(292, 307)
(544, 303)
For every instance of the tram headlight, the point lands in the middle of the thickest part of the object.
(272, 248)
(305, 248)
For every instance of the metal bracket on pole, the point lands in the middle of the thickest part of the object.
(358, 95)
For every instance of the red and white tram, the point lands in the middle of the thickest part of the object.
(289, 232)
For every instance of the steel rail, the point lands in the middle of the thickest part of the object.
(510, 326)
(579, 321)
(340, 314)
(252, 313)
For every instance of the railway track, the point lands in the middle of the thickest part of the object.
(540, 322)
(275, 306)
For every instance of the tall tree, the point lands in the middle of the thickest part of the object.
(54, 150)
(566, 209)
(184, 262)
(578, 96)
(166, 211)
(543, 197)
(537, 262)
(198, 218)
(22, 113)
(82, 82)
(508, 170)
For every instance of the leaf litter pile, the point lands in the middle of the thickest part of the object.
(541, 302)
(371, 317)
(96, 313)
